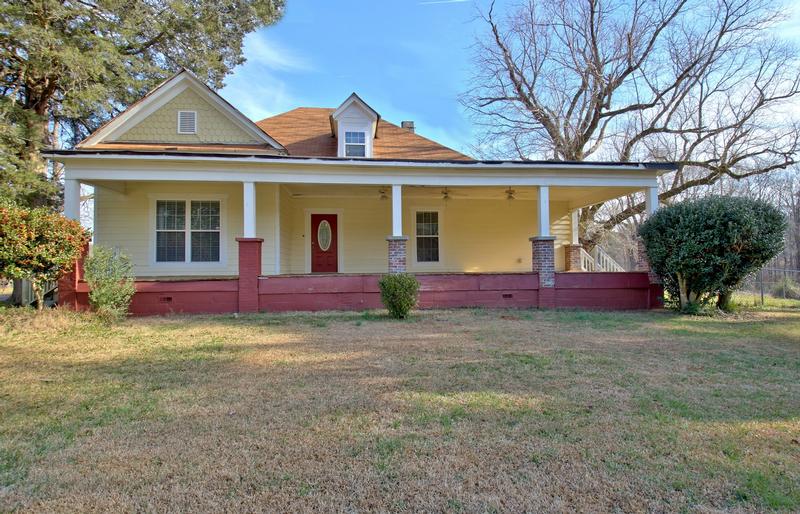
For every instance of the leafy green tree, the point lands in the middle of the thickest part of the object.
(703, 249)
(38, 245)
(67, 66)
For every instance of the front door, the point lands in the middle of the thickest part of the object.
(324, 248)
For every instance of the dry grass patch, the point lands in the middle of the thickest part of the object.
(474, 411)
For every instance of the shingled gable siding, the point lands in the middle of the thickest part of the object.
(212, 125)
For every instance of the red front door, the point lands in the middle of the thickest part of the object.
(324, 248)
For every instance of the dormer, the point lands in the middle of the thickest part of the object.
(355, 126)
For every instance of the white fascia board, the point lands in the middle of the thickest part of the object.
(351, 163)
(411, 176)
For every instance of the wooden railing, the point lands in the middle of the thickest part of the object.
(599, 260)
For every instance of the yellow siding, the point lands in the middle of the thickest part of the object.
(476, 235)
(127, 221)
(212, 125)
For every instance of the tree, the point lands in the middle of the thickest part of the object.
(67, 66)
(38, 245)
(706, 85)
(704, 249)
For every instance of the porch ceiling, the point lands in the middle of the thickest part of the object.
(574, 196)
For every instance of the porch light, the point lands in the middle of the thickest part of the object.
(383, 195)
(445, 194)
(510, 194)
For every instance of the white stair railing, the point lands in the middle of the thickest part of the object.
(599, 260)
(587, 261)
(604, 262)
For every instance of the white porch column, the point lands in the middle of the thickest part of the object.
(575, 225)
(651, 201)
(397, 210)
(72, 199)
(397, 241)
(277, 229)
(544, 211)
(249, 209)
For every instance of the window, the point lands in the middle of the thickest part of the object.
(201, 235)
(355, 144)
(187, 122)
(427, 236)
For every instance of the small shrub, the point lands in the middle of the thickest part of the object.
(38, 245)
(399, 293)
(703, 249)
(111, 281)
(786, 288)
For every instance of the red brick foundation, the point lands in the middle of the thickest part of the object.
(397, 253)
(249, 272)
(572, 257)
(68, 286)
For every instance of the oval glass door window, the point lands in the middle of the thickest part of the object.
(324, 235)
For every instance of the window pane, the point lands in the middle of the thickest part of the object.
(427, 223)
(170, 246)
(170, 215)
(355, 137)
(205, 215)
(427, 249)
(355, 150)
(205, 246)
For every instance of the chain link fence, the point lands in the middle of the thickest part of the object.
(773, 283)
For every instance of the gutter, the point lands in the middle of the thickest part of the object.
(661, 167)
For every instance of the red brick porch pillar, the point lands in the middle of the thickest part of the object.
(249, 271)
(544, 263)
(68, 283)
(572, 257)
(397, 253)
(656, 299)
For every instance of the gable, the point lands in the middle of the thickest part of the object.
(213, 126)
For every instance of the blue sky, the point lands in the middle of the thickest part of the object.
(409, 59)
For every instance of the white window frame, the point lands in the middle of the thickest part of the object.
(179, 123)
(187, 262)
(427, 264)
(344, 128)
(364, 144)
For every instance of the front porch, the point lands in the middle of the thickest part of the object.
(315, 241)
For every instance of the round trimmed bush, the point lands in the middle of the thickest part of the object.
(399, 293)
(703, 249)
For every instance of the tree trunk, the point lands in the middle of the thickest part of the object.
(37, 292)
(724, 300)
(683, 294)
(16, 293)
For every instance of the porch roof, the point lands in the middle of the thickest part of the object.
(241, 155)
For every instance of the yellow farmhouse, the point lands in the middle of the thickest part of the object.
(304, 210)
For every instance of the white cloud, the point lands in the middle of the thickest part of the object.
(261, 50)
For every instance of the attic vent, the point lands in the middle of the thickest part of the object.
(187, 122)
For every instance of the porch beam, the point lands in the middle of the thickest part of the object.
(72, 199)
(249, 209)
(544, 211)
(397, 210)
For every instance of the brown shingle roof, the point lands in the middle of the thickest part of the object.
(306, 131)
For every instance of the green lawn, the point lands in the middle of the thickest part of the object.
(461, 411)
